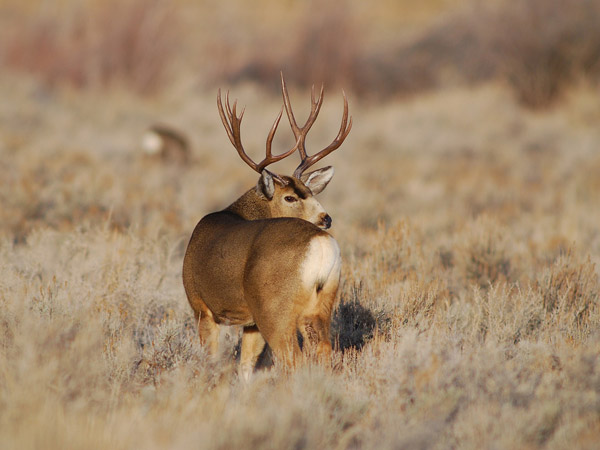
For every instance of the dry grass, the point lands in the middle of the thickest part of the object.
(470, 296)
(470, 289)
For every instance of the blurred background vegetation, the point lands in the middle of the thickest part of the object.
(377, 49)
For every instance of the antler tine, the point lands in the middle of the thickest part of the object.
(269, 159)
(232, 124)
(288, 108)
(272, 133)
(315, 106)
(222, 114)
(345, 127)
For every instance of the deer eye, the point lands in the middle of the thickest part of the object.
(290, 199)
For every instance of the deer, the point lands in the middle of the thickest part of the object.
(166, 143)
(266, 262)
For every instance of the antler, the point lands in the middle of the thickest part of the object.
(301, 132)
(232, 124)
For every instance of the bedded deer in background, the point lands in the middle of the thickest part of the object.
(265, 262)
(166, 143)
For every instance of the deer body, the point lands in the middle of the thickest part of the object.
(255, 264)
(266, 263)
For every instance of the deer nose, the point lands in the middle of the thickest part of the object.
(326, 220)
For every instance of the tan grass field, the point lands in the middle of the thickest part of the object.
(469, 312)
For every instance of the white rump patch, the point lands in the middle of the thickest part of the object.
(151, 143)
(322, 261)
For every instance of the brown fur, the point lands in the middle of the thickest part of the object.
(243, 266)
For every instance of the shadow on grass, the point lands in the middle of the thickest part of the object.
(352, 324)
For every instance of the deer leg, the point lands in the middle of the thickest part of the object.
(208, 330)
(315, 320)
(286, 349)
(252, 345)
(315, 332)
(282, 338)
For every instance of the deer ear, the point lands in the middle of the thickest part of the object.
(265, 186)
(317, 180)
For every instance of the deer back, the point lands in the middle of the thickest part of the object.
(256, 242)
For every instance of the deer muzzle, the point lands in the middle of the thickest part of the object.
(325, 221)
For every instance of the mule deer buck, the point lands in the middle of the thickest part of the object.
(265, 262)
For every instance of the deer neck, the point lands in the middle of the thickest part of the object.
(251, 206)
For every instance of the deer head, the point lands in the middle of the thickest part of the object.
(285, 196)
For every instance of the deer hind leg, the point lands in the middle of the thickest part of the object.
(315, 333)
(321, 280)
(286, 349)
(314, 326)
(208, 329)
(253, 344)
(280, 334)
(315, 319)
